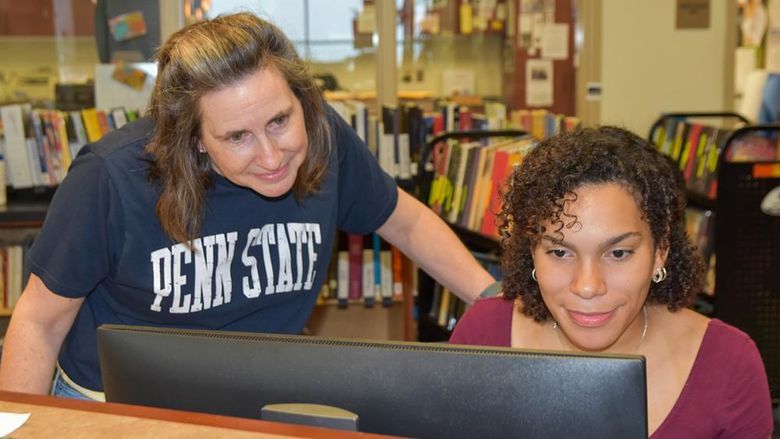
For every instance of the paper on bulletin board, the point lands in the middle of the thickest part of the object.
(126, 26)
(555, 41)
(110, 93)
(531, 19)
(539, 83)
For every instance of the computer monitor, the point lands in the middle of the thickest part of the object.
(398, 388)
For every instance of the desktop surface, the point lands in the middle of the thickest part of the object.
(397, 388)
(52, 417)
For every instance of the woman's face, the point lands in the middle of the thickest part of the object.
(595, 281)
(254, 131)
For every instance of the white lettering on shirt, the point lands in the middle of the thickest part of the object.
(201, 276)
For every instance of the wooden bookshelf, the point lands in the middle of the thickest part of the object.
(25, 207)
(20, 214)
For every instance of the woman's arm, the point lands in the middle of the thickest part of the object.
(39, 323)
(425, 238)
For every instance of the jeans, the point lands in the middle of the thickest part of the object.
(63, 390)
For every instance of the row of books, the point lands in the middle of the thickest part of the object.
(446, 309)
(366, 269)
(38, 145)
(13, 272)
(542, 123)
(696, 148)
(469, 177)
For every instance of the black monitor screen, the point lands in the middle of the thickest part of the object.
(399, 388)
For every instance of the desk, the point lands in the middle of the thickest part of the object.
(62, 417)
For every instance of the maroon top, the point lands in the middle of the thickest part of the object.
(726, 394)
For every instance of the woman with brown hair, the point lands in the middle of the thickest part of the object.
(218, 211)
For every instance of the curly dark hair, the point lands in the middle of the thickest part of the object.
(538, 189)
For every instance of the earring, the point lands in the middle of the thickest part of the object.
(533, 275)
(659, 275)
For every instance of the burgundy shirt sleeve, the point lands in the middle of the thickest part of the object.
(747, 408)
(488, 322)
(726, 394)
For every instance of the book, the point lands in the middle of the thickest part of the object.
(368, 287)
(77, 136)
(397, 266)
(119, 117)
(15, 155)
(386, 273)
(500, 172)
(355, 254)
(89, 117)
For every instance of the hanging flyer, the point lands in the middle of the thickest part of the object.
(539, 83)
(555, 41)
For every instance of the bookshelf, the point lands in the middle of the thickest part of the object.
(696, 142)
(747, 239)
(438, 309)
(20, 219)
(39, 146)
(745, 205)
(25, 207)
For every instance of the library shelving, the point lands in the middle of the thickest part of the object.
(695, 141)
(437, 309)
(747, 242)
(740, 186)
(20, 219)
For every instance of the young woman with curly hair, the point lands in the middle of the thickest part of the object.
(596, 259)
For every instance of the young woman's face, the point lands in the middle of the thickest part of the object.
(595, 281)
(255, 133)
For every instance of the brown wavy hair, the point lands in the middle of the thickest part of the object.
(539, 188)
(203, 57)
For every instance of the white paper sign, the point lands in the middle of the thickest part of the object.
(555, 41)
(539, 83)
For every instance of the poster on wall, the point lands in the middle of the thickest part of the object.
(539, 83)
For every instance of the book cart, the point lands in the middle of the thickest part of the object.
(695, 141)
(429, 329)
(744, 193)
(747, 245)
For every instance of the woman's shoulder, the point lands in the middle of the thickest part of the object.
(727, 338)
(128, 141)
(491, 307)
(487, 322)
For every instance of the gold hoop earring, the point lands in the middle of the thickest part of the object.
(659, 275)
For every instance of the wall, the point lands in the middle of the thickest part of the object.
(648, 67)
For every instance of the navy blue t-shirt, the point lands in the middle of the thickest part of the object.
(258, 263)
